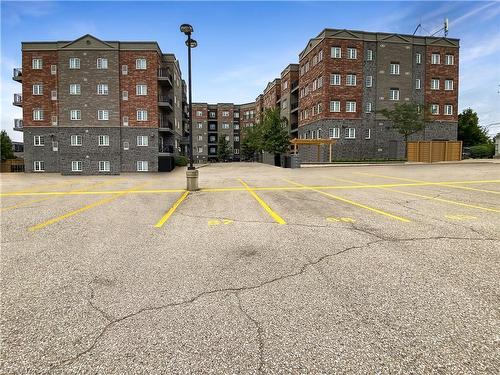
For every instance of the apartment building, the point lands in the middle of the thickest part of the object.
(99, 107)
(346, 77)
(289, 102)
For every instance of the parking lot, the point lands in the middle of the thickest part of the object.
(359, 269)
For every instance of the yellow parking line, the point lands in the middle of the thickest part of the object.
(277, 218)
(38, 187)
(430, 197)
(23, 204)
(354, 203)
(172, 209)
(82, 209)
(437, 183)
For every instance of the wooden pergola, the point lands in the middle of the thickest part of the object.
(318, 142)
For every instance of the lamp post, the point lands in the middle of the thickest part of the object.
(191, 173)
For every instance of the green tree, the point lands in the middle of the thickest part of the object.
(250, 142)
(407, 118)
(223, 149)
(273, 132)
(469, 131)
(6, 146)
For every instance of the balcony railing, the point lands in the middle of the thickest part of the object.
(295, 84)
(18, 100)
(166, 149)
(165, 100)
(165, 124)
(294, 106)
(165, 75)
(18, 124)
(17, 74)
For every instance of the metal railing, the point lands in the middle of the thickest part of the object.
(165, 124)
(18, 99)
(165, 99)
(17, 73)
(18, 124)
(167, 149)
(164, 73)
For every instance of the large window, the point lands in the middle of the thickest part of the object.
(334, 132)
(448, 84)
(394, 94)
(75, 114)
(38, 89)
(142, 166)
(448, 109)
(435, 109)
(142, 140)
(369, 81)
(350, 133)
(141, 90)
(104, 140)
(435, 58)
(449, 59)
(36, 64)
(225, 113)
(142, 115)
(74, 63)
(76, 140)
(37, 114)
(104, 166)
(75, 89)
(140, 64)
(368, 107)
(336, 52)
(102, 89)
(39, 166)
(76, 166)
(434, 84)
(394, 68)
(335, 79)
(350, 107)
(335, 106)
(350, 80)
(103, 115)
(418, 58)
(38, 140)
(352, 53)
(102, 63)
(369, 55)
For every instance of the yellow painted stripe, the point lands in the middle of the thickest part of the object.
(429, 197)
(38, 187)
(82, 209)
(277, 218)
(438, 183)
(376, 210)
(172, 209)
(25, 203)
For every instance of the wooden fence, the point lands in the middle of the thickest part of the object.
(12, 165)
(434, 151)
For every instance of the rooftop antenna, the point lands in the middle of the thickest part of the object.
(445, 28)
(418, 27)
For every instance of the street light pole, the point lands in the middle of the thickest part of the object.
(191, 172)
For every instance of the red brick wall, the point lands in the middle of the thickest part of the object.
(134, 77)
(328, 65)
(442, 72)
(271, 97)
(49, 82)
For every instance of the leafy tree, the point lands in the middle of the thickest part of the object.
(250, 142)
(407, 118)
(6, 146)
(223, 149)
(469, 131)
(273, 132)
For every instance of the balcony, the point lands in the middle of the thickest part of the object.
(164, 76)
(17, 75)
(165, 149)
(18, 100)
(295, 86)
(165, 101)
(294, 107)
(18, 124)
(184, 141)
(165, 125)
(294, 127)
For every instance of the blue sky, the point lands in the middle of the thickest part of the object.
(243, 45)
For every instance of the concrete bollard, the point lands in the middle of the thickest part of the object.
(192, 179)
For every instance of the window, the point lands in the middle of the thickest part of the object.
(350, 133)
(102, 63)
(418, 58)
(434, 84)
(124, 70)
(53, 69)
(142, 115)
(212, 114)
(75, 114)
(36, 64)
(352, 53)
(76, 140)
(236, 138)
(225, 113)
(76, 166)
(334, 106)
(236, 151)
(369, 55)
(394, 69)
(435, 109)
(140, 64)
(394, 94)
(126, 145)
(199, 113)
(54, 120)
(334, 132)
(350, 80)
(336, 52)
(448, 59)
(104, 166)
(142, 166)
(53, 95)
(142, 140)
(200, 125)
(141, 89)
(212, 150)
(225, 126)
(103, 115)
(448, 84)
(104, 140)
(55, 146)
(37, 114)
(125, 95)
(200, 138)
(74, 63)
(125, 120)
(38, 89)
(38, 140)
(435, 58)
(102, 89)
(39, 166)
(200, 150)
(75, 89)
(350, 107)
(236, 115)
(417, 84)
(368, 107)
(335, 79)
(368, 133)
(369, 81)
(448, 109)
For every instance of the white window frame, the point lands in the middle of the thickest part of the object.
(53, 95)
(76, 166)
(124, 95)
(141, 64)
(368, 134)
(75, 89)
(369, 81)
(75, 114)
(102, 89)
(74, 63)
(418, 58)
(394, 69)
(103, 140)
(368, 107)
(76, 140)
(126, 145)
(435, 83)
(199, 113)
(435, 58)
(350, 133)
(142, 166)
(38, 141)
(104, 166)
(36, 63)
(225, 126)
(142, 115)
(102, 63)
(418, 84)
(350, 106)
(39, 166)
(334, 133)
(369, 55)
(54, 120)
(335, 79)
(53, 69)
(141, 90)
(394, 94)
(38, 89)
(142, 141)
(350, 80)
(103, 115)
(449, 59)
(435, 109)
(200, 149)
(352, 53)
(55, 146)
(225, 113)
(448, 85)
(335, 106)
(38, 114)
(448, 110)
(336, 53)
(124, 70)
(125, 120)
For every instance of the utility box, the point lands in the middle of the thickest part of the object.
(295, 161)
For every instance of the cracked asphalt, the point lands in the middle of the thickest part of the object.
(222, 288)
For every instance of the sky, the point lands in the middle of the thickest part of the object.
(243, 45)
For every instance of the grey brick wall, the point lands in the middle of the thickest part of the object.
(136, 153)
(41, 153)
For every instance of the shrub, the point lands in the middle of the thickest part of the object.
(486, 150)
(180, 161)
